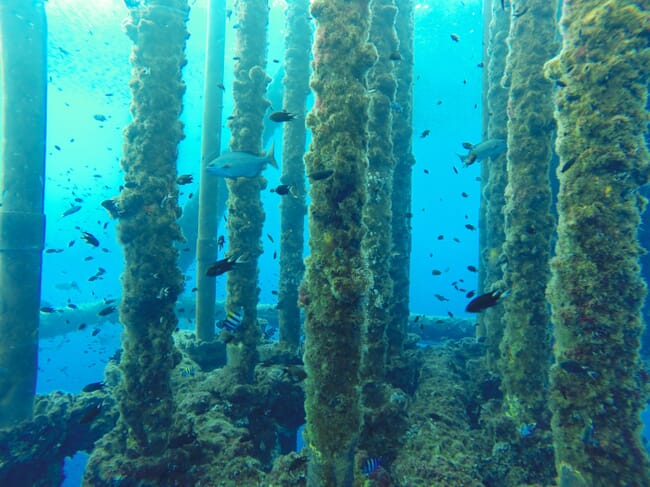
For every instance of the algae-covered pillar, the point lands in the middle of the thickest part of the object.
(245, 211)
(296, 87)
(147, 227)
(596, 292)
(208, 218)
(22, 222)
(402, 135)
(529, 226)
(337, 277)
(377, 215)
(493, 179)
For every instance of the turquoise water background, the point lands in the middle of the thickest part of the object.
(88, 57)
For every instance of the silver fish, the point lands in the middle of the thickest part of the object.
(241, 164)
(483, 150)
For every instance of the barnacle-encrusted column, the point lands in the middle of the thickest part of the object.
(22, 221)
(402, 134)
(245, 211)
(596, 291)
(493, 176)
(337, 277)
(526, 345)
(377, 216)
(147, 228)
(293, 209)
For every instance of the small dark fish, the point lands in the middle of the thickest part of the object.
(295, 372)
(480, 65)
(53, 251)
(94, 386)
(464, 194)
(395, 56)
(282, 189)
(568, 164)
(82, 326)
(440, 297)
(441, 237)
(436, 272)
(282, 116)
(487, 300)
(450, 314)
(320, 175)
(469, 226)
(425, 133)
(455, 170)
(95, 332)
(111, 207)
(371, 466)
(99, 117)
(71, 243)
(221, 241)
(184, 179)
(71, 210)
(269, 237)
(91, 413)
(47, 309)
(454, 37)
(222, 266)
(90, 238)
(574, 367)
(107, 310)
(221, 87)
(426, 171)
(470, 294)
(472, 268)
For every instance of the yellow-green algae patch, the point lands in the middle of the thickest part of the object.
(596, 291)
(337, 276)
(245, 211)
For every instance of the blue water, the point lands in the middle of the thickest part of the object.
(89, 69)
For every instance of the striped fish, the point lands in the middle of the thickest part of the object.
(232, 321)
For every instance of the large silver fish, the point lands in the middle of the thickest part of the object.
(483, 150)
(240, 164)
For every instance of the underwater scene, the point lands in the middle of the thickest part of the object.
(324, 243)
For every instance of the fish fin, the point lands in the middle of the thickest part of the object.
(463, 158)
(270, 156)
(500, 295)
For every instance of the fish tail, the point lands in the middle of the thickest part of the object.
(270, 156)
(463, 158)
